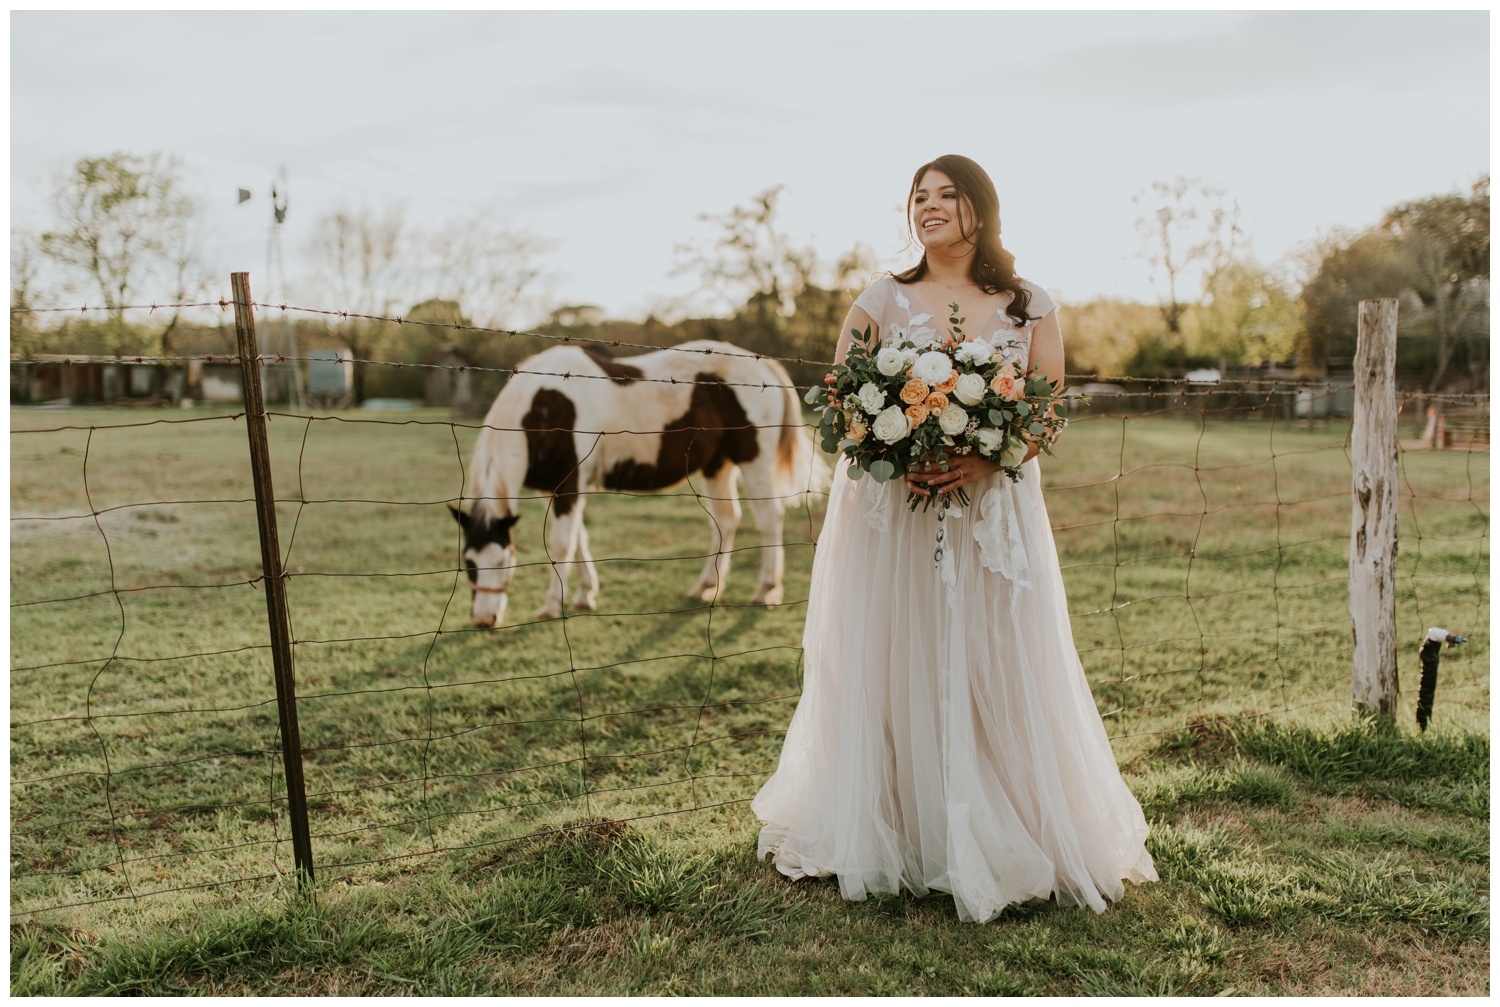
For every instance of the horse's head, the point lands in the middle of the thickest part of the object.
(490, 559)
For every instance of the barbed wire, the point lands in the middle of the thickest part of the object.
(1154, 387)
(1270, 383)
(122, 791)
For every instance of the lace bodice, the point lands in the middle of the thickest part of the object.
(899, 314)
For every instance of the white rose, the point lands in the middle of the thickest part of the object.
(953, 419)
(971, 388)
(871, 398)
(975, 352)
(988, 439)
(1014, 453)
(932, 367)
(891, 425)
(890, 362)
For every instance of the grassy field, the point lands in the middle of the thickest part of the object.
(1206, 567)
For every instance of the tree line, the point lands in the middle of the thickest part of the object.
(124, 227)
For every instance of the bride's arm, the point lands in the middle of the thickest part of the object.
(858, 318)
(1047, 358)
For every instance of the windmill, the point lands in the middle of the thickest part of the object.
(282, 337)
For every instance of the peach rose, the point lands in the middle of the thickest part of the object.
(1006, 387)
(936, 402)
(948, 385)
(917, 414)
(915, 391)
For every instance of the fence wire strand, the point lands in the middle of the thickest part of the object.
(510, 705)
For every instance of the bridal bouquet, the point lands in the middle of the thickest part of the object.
(894, 408)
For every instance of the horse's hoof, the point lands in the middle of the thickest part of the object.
(584, 605)
(770, 598)
(701, 593)
(548, 612)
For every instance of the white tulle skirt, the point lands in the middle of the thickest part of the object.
(946, 738)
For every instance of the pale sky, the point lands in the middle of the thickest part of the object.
(610, 133)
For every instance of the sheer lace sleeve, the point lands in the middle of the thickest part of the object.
(875, 299)
(1041, 304)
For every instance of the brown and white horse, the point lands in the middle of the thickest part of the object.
(571, 420)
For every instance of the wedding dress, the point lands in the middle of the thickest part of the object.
(946, 738)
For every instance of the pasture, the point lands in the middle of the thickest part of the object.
(1206, 569)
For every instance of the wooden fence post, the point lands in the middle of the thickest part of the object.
(1373, 521)
(270, 556)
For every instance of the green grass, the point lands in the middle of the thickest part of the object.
(1300, 853)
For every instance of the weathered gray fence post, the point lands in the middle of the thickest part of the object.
(1373, 522)
(270, 557)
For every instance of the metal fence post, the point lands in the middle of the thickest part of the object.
(1373, 520)
(270, 555)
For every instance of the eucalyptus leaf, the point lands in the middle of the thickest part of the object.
(997, 418)
(1037, 429)
(882, 470)
(847, 443)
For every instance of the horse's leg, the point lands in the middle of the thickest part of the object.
(588, 577)
(723, 503)
(562, 546)
(760, 484)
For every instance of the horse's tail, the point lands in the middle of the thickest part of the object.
(799, 470)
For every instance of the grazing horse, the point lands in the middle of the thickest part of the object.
(571, 420)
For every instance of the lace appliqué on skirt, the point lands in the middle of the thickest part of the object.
(1001, 537)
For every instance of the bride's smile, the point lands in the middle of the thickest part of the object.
(940, 216)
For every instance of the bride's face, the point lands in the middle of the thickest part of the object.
(935, 210)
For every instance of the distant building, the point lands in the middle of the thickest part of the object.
(330, 377)
(449, 384)
(58, 379)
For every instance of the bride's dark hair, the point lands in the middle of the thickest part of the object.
(991, 268)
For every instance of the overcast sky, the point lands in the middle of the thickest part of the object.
(611, 133)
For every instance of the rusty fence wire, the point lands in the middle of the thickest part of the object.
(1202, 531)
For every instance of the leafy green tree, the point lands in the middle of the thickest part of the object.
(123, 222)
(1187, 228)
(1247, 315)
(1445, 244)
(23, 290)
(750, 262)
(1431, 253)
(781, 299)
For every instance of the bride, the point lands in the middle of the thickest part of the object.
(946, 738)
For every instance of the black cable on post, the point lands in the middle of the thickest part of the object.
(1432, 646)
(270, 556)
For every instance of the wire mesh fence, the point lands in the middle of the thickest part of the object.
(1203, 532)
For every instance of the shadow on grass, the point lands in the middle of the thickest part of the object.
(600, 907)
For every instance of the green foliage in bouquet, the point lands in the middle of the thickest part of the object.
(906, 405)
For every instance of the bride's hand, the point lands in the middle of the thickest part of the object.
(962, 470)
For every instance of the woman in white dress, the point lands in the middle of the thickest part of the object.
(946, 738)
